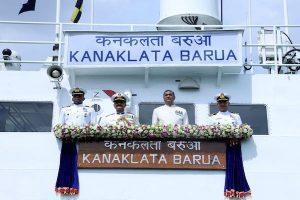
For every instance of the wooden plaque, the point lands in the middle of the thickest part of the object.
(153, 155)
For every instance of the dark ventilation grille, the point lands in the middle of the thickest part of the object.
(191, 20)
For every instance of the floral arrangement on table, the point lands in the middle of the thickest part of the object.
(97, 132)
(236, 184)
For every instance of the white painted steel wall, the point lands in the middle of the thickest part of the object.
(29, 161)
(207, 10)
(34, 86)
(29, 165)
(281, 94)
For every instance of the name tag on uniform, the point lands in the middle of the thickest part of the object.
(178, 112)
(130, 116)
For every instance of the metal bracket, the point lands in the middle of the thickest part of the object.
(147, 76)
(219, 76)
(72, 78)
(57, 85)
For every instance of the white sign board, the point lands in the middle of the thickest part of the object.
(136, 49)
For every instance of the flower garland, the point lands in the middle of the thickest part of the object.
(235, 194)
(207, 132)
(67, 191)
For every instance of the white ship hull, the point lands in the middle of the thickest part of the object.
(30, 161)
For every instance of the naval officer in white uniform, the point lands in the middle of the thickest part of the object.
(77, 114)
(169, 114)
(120, 117)
(224, 116)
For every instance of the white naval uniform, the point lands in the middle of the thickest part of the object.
(170, 115)
(226, 118)
(122, 119)
(78, 115)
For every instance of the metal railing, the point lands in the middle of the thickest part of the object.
(249, 47)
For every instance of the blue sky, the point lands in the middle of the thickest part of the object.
(124, 11)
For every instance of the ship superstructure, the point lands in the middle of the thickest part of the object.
(262, 79)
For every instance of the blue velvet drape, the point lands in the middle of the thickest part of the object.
(236, 184)
(67, 180)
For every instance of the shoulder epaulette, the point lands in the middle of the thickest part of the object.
(109, 115)
(89, 107)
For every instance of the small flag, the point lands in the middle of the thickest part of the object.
(30, 5)
(77, 12)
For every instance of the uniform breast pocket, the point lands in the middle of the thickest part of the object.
(87, 116)
(180, 117)
(179, 114)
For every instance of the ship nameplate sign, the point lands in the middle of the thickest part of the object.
(153, 155)
(155, 49)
